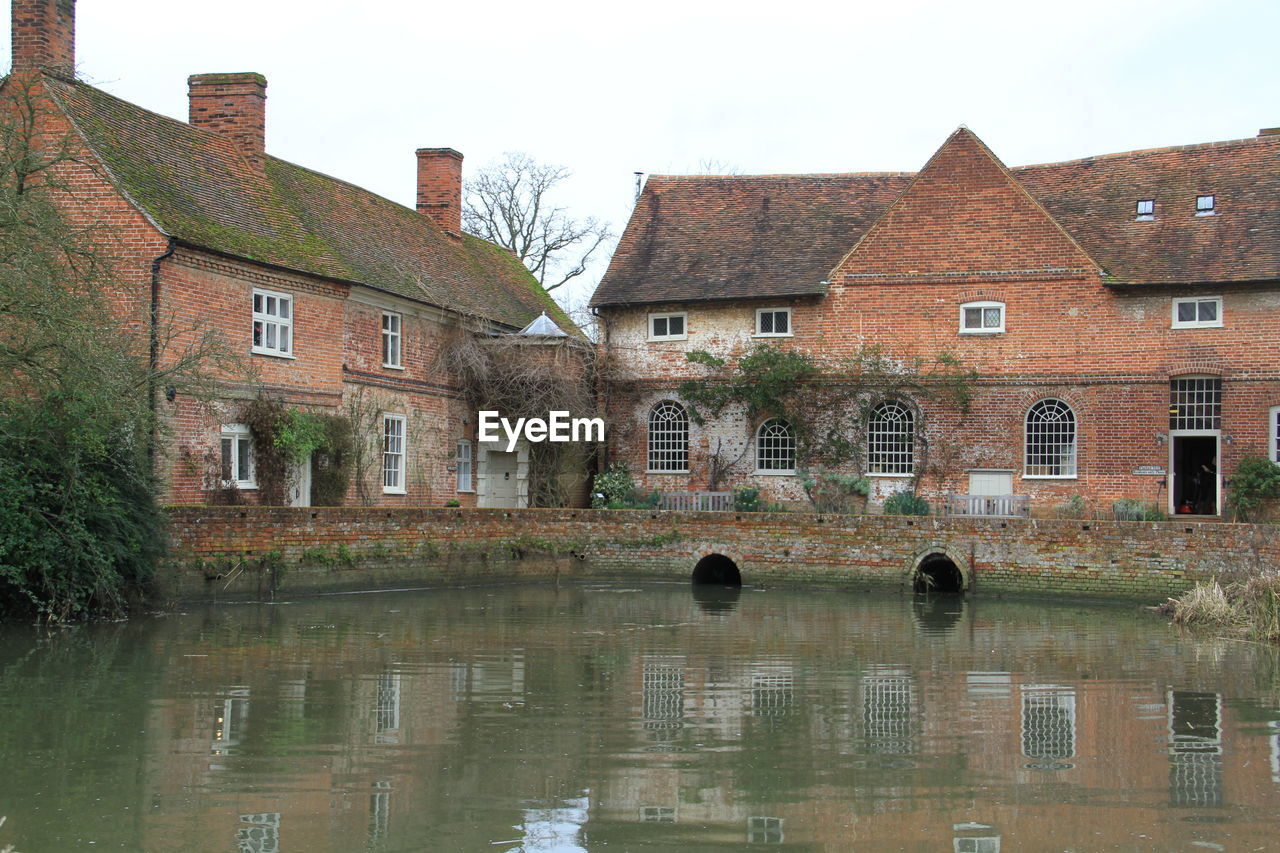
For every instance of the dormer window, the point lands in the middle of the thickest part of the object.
(1146, 209)
(1204, 205)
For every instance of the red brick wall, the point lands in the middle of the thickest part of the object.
(219, 551)
(965, 232)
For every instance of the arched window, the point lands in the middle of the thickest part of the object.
(1051, 440)
(891, 439)
(668, 437)
(775, 447)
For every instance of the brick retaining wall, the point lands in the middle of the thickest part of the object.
(242, 552)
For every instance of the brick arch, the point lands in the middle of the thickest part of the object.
(1193, 367)
(924, 555)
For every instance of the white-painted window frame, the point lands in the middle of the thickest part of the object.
(891, 440)
(668, 438)
(982, 329)
(394, 456)
(392, 340)
(464, 457)
(668, 316)
(1146, 214)
(760, 333)
(776, 448)
(1206, 205)
(237, 440)
(1197, 323)
(1274, 447)
(276, 326)
(1038, 439)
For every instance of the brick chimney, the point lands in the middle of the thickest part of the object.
(44, 36)
(440, 188)
(233, 104)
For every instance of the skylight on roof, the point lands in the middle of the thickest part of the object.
(1146, 209)
(1204, 205)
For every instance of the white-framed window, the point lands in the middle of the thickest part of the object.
(393, 454)
(391, 338)
(237, 457)
(891, 440)
(1195, 402)
(272, 323)
(1199, 312)
(1205, 205)
(1146, 209)
(773, 322)
(1050, 440)
(668, 327)
(1275, 435)
(764, 830)
(668, 438)
(775, 448)
(464, 466)
(981, 318)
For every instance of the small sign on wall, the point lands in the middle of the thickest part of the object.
(1149, 471)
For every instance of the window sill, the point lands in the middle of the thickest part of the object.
(670, 338)
(775, 472)
(273, 353)
(387, 491)
(393, 367)
(652, 471)
(773, 335)
(982, 331)
(893, 476)
(244, 487)
(466, 491)
(1050, 476)
(1196, 326)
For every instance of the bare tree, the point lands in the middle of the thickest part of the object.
(509, 203)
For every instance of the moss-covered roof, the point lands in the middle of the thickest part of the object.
(198, 188)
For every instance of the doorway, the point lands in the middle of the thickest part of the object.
(1196, 486)
(500, 478)
(298, 483)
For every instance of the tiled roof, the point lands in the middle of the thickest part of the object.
(197, 188)
(708, 238)
(759, 236)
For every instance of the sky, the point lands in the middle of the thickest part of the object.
(609, 89)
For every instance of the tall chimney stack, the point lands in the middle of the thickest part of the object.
(44, 36)
(440, 187)
(232, 104)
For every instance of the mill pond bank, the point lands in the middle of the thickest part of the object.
(237, 553)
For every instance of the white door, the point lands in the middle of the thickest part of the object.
(299, 483)
(990, 483)
(500, 478)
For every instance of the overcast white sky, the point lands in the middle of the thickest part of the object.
(355, 87)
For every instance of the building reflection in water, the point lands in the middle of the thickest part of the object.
(1195, 749)
(259, 833)
(888, 707)
(662, 697)
(556, 830)
(1048, 726)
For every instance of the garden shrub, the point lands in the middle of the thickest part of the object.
(905, 503)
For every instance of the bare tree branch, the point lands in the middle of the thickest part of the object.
(509, 203)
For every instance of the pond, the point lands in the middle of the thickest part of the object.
(637, 718)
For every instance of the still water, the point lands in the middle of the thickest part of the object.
(611, 718)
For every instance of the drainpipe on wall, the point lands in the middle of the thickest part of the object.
(153, 355)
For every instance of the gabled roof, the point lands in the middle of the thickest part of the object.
(731, 237)
(708, 238)
(197, 187)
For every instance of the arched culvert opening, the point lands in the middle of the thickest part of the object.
(938, 573)
(717, 569)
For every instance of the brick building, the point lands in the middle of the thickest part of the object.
(1121, 312)
(336, 300)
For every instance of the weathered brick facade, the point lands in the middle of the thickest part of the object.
(204, 227)
(1086, 288)
(248, 551)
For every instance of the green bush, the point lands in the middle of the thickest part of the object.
(1072, 507)
(905, 503)
(831, 491)
(1256, 479)
(747, 500)
(79, 528)
(1134, 509)
(614, 489)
